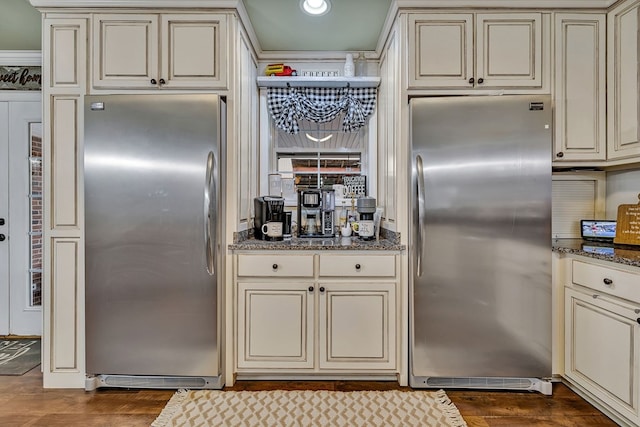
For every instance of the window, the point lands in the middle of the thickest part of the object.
(320, 155)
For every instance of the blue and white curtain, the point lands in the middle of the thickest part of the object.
(291, 104)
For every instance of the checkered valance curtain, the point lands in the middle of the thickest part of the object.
(290, 104)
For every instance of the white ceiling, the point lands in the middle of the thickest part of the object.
(350, 25)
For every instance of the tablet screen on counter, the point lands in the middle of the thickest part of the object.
(602, 230)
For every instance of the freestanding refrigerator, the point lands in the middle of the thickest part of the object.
(152, 221)
(480, 242)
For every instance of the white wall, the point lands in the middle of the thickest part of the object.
(623, 187)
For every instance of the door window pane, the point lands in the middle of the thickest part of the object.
(35, 231)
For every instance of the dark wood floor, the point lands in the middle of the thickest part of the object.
(23, 402)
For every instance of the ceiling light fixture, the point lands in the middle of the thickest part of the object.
(326, 138)
(315, 7)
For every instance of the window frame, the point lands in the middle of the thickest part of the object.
(365, 153)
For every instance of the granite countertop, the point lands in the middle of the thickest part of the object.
(621, 254)
(302, 244)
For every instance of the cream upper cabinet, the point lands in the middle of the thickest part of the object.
(623, 86)
(484, 50)
(145, 51)
(580, 87)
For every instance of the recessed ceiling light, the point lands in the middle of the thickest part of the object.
(315, 7)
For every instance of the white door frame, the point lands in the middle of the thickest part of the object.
(18, 109)
(4, 213)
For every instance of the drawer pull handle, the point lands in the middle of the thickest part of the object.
(608, 281)
(357, 266)
(274, 266)
(321, 288)
(310, 288)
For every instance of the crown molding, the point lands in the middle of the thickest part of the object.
(158, 4)
(20, 57)
(510, 4)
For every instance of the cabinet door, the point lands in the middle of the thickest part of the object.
(275, 325)
(509, 50)
(601, 351)
(441, 50)
(580, 92)
(357, 327)
(193, 50)
(623, 111)
(125, 50)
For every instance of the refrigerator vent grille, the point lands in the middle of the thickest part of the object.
(480, 382)
(135, 381)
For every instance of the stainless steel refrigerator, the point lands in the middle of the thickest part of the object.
(152, 219)
(480, 242)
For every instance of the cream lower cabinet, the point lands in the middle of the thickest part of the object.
(147, 51)
(602, 338)
(316, 313)
(276, 325)
(356, 323)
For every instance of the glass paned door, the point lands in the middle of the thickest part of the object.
(21, 248)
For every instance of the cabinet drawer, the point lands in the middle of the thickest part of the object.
(275, 265)
(619, 283)
(357, 265)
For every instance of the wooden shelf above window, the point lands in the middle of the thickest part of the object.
(303, 81)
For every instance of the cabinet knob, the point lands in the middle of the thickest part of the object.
(153, 81)
(310, 288)
(357, 266)
(480, 80)
(607, 281)
(162, 81)
(1, 221)
(471, 80)
(321, 288)
(274, 266)
(560, 154)
(2, 237)
(638, 320)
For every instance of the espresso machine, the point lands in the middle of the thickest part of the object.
(316, 209)
(267, 209)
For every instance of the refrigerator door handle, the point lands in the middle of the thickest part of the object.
(421, 204)
(209, 213)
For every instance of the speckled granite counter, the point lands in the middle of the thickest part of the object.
(338, 243)
(628, 255)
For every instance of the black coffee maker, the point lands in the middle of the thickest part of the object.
(268, 209)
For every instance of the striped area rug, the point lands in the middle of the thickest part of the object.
(310, 408)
